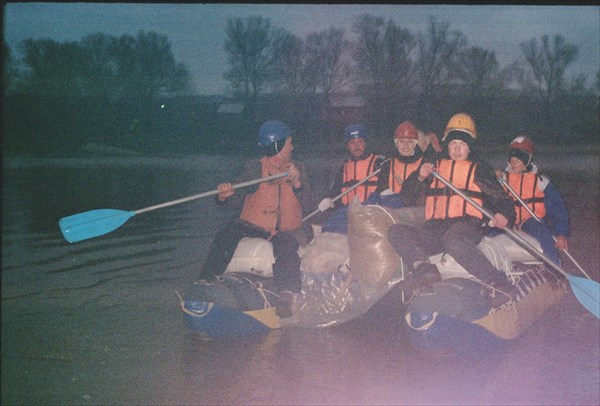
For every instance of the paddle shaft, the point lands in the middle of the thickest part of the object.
(210, 193)
(514, 193)
(350, 189)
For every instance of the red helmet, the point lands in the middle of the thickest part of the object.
(406, 130)
(524, 144)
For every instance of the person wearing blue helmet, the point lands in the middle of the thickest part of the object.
(360, 164)
(271, 210)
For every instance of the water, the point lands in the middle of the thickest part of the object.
(98, 322)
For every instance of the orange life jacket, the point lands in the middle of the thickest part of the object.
(443, 203)
(274, 206)
(400, 171)
(355, 171)
(527, 187)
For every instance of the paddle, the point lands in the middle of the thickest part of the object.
(511, 190)
(94, 223)
(350, 189)
(587, 291)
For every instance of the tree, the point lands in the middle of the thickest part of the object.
(311, 66)
(305, 70)
(547, 62)
(9, 71)
(438, 51)
(145, 64)
(289, 66)
(54, 68)
(324, 51)
(477, 68)
(100, 65)
(382, 54)
(249, 46)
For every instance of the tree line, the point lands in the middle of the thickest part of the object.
(99, 65)
(385, 62)
(398, 73)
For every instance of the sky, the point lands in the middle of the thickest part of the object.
(197, 31)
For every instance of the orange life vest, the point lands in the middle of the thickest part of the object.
(443, 203)
(274, 206)
(400, 171)
(355, 171)
(527, 187)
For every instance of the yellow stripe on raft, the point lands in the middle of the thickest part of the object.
(511, 320)
(266, 316)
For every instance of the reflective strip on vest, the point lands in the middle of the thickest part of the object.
(354, 172)
(526, 186)
(442, 202)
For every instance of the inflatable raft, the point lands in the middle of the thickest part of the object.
(343, 276)
(457, 316)
(242, 301)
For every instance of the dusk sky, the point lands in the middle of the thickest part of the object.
(197, 31)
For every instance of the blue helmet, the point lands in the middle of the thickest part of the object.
(272, 131)
(355, 131)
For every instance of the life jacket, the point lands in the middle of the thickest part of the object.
(441, 202)
(529, 187)
(400, 171)
(274, 206)
(354, 172)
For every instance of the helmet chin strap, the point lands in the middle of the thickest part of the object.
(278, 155)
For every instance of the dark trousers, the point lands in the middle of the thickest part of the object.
(458, 237)
(286, 270)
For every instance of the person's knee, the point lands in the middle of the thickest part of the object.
(461, 238)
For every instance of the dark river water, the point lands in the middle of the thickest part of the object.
(98, 322)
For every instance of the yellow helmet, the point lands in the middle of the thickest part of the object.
(461, 122)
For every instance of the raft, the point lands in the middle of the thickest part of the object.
(242, 301)
(456, 317)
(344, 275)
(234, 304)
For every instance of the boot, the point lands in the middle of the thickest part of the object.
(284, 304)
(422, 278)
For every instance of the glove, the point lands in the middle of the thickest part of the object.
(325, 204)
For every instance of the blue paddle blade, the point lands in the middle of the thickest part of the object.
(92, 223)
(587, 291)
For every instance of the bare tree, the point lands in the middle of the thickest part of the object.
(547, 61)
(249, 46)
(324, 51)
(438, 50)
(382, 55)
(289, 64)
(478, 69)
(382, 52)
